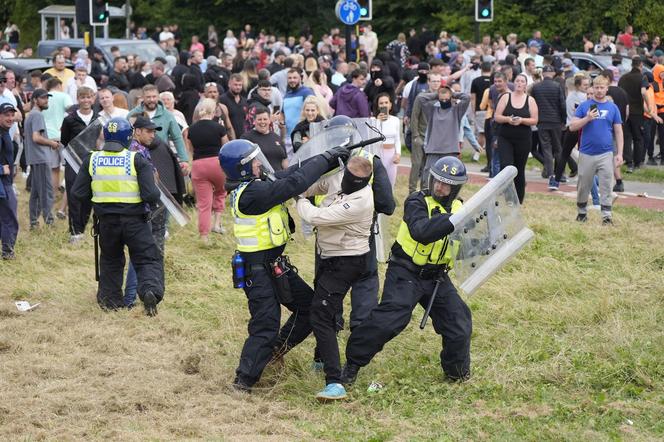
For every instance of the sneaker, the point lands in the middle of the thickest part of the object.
(595, 207)
(619, 187)
(630, 169)
(485, 169)
(75, 239)
(553, 184)
(582, 217)
(607, 221)
(651, 162)
(476, 157)
(60, 214)
(332, 392)
(573, 173)
(150, 303)
(220, 230)
(349, 374)
(8, 256)
(563, 179)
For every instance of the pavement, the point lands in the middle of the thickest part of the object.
(636, 194)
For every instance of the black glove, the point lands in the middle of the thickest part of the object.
(332, 155)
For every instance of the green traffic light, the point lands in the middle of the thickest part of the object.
(485, 12)
(363, 11)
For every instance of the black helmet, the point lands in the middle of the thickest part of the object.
(447, 170)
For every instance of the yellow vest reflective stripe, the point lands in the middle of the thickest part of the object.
(114, 177)
(440, 252)
(255, 233)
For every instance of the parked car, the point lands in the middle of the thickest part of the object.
(23, 66)
(145, 49)
(594, 63)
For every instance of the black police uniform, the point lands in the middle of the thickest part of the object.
(265, 337)
(123, 224)
(406, 285)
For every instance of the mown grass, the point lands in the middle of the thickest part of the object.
(567, 344)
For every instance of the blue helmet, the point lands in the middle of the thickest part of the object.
(448, 170)
(340, 120)
(118, 130)
(236, 157)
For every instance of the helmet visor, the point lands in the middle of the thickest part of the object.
(258, 155)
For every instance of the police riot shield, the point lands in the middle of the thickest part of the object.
(489, 231)
(91, 139)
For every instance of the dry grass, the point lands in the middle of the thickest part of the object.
(567, 344)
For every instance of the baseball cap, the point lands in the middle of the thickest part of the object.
(423, 66)
(567, 63)
(548, 68)
(7, 107)
(38, 93)
(145, 123)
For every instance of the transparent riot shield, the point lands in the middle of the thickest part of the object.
(323, 139)
(90, 139)
(489, 230)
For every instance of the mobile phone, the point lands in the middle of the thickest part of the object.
(383, 110)
(593, 107)
(276, 109)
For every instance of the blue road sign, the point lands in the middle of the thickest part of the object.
(348, 11)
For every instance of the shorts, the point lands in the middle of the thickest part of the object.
(480, 116)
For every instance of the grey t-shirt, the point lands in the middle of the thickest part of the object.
(35, 153)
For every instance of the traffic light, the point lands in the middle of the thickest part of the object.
(483, 10)
(365, 9)
(98, 12)
(83, 12)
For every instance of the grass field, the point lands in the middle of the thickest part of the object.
(568, 344)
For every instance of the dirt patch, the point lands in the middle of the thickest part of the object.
(191, 364)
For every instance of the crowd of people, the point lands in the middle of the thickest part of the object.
(258, 95)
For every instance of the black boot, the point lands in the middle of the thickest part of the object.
(349, 373)
(150, 303)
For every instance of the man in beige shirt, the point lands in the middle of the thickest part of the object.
(343, 223)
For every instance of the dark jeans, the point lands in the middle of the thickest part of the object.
(364, 291)
(514, 152)
(403, 290)
(633, 151)
(8, 218)
(569, 141)
(264, 334)
(551, 147)
(333, 280)
(116, 231)
(79, 211)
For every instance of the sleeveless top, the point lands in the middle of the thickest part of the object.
(507, 130)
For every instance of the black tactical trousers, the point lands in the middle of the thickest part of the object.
(133, 231)
(264, 334)
(403, 290)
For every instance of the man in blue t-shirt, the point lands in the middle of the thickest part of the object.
(600, 123)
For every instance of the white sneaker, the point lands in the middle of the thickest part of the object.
(595, 207)
(75, 239)
(476, 157)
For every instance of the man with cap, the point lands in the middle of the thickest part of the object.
(568, 68)
(550, 99)
(121, 186)
(216, 74)
(443, 128)
(277, 62)
(8, 206)
(38, 157)
(418, 269)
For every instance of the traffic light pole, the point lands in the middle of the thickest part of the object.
(349, 30)
(477, 32)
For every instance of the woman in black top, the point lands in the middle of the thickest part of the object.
(189, 97)
(516, 112)
(204, 140)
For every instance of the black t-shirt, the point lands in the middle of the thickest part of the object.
(270, 146)
(236, 112)
(620, 99)
(477, 87)
(205, 136)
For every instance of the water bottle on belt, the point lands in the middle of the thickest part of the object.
(237, 263)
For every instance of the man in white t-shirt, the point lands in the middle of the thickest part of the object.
(81, 78)
(108, 110)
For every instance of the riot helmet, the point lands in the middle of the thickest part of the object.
(340, 121)
(118, 130)
(447, 171)
(243, 160)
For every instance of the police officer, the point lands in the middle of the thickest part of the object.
(262, 227)
(120, 183)
(421, 255)
(364, 293)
